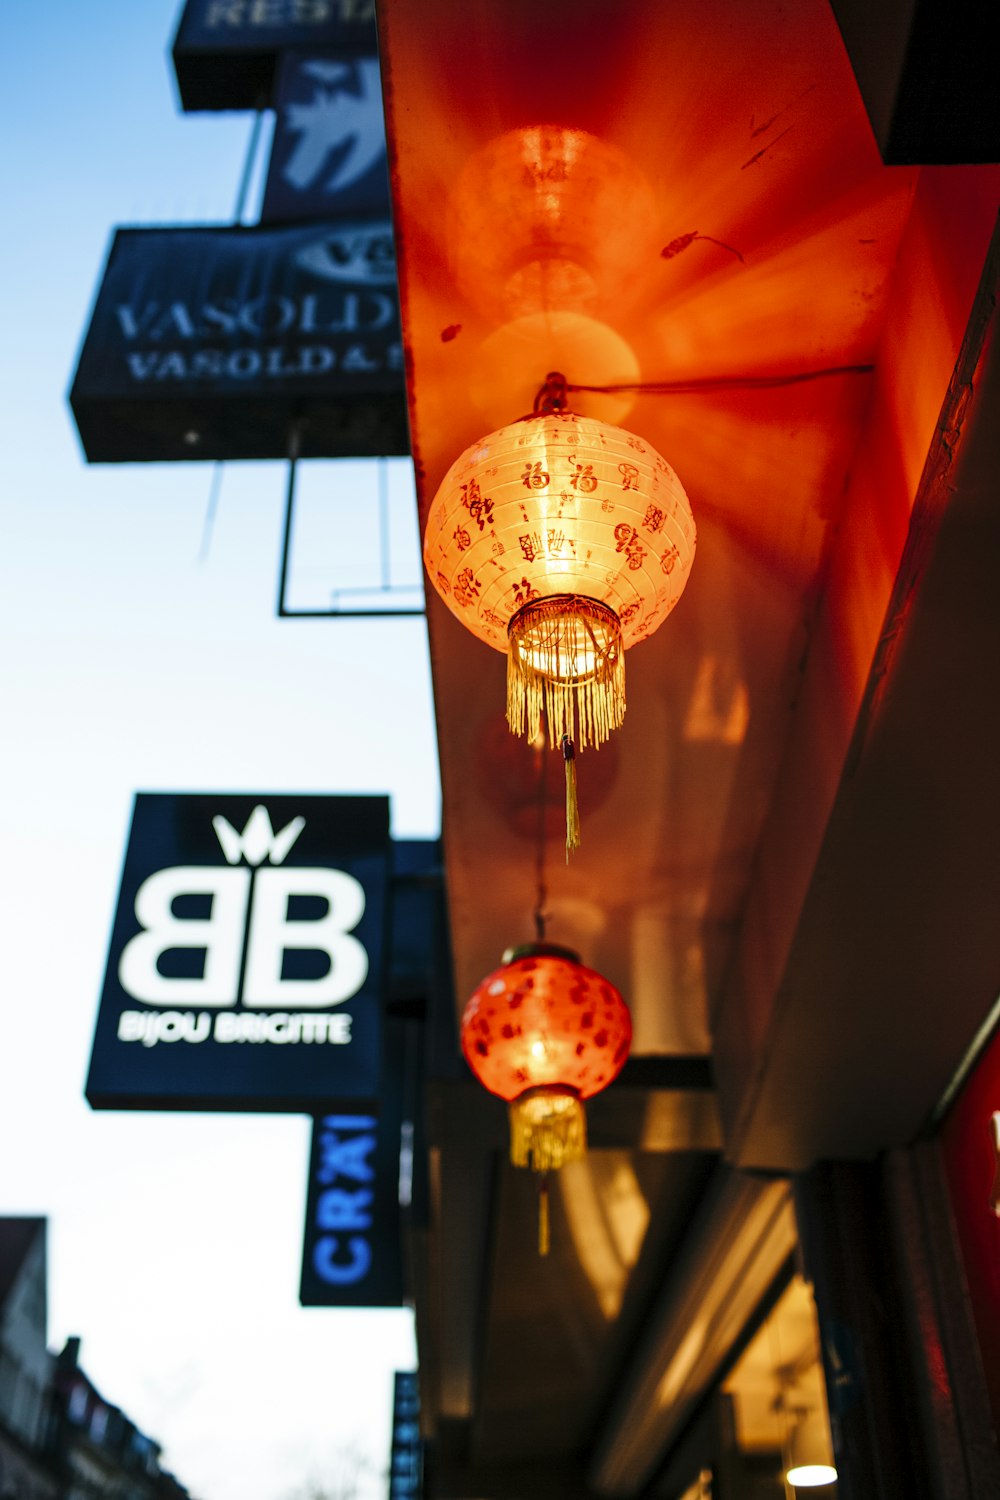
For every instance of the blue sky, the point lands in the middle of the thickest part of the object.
(130, 660)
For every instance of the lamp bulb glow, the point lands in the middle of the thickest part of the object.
(805, 1476)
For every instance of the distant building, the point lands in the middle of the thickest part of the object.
(59, 1438)
(101, 1454)
(26, 1471)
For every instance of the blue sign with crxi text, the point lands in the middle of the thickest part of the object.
(246, 962)
(352, 1250)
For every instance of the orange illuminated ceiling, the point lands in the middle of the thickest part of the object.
(784, 867)
(687, 194)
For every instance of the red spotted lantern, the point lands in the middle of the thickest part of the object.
(545, 1033)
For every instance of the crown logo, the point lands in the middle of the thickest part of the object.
(258, 841)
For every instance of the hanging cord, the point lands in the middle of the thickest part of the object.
(544, 1235)
(572, 808)
(541, 916)
(553, 395)
(383, 523)
(249, 163)
(211, 511)
(541, 890)
(294, 446)
(723, 382)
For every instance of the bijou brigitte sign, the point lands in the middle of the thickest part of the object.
(246, 961)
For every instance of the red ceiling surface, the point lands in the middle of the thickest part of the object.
(687, 194)
(785, 863)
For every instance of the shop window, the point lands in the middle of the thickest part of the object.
(77, 1409)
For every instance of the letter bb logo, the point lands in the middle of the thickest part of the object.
(246, 957)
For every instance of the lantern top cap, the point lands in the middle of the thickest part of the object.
(553, 397)
(540, 950)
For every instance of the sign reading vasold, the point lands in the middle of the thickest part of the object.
(225, 51)
(246, 960)
(216, 343)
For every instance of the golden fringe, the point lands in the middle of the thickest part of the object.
(547, 1129)
(559, 663)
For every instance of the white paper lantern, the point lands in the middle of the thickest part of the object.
(562, 541)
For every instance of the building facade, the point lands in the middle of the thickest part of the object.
(59, 1438)
(762, 240)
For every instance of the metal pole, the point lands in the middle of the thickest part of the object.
(383, 515)
(286, 541)
(248, 166)
(208, 530)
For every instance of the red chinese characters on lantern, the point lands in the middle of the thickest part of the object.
(559, 505)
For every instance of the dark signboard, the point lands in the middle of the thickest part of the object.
(225, 51)
(352, 1250)
(328, 153)
(215, 343)
(247, 955)
(406, 1462)
(362, 1167)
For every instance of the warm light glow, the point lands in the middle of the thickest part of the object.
(545, 1021)
(608, 1216)
(719, 708)
(569, 246)
(505, 377)
(809, 1450)
(565, 660)
(805, 1476)
(561, 540)
(559, 504)
(570, 654)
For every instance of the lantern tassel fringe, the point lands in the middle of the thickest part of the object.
(566, 659)
(548, 1127)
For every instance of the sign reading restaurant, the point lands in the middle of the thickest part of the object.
(216, 343)
(225, 51)
(246, 959)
